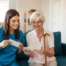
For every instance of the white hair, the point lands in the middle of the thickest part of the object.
(36, 16)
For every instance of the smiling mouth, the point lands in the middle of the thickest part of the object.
(36, 27)
(15, 26)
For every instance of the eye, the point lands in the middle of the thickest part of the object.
(39, 22)
(13, 21)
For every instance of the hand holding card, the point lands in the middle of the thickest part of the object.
(32, 48)
(14, 43)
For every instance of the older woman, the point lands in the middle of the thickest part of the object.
(35, 38)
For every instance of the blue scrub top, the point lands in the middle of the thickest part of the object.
(8, 54)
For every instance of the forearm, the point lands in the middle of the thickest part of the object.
(49, 53)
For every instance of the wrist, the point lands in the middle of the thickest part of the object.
(44, 51)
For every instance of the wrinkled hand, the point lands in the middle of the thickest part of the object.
(5, 43)
(41, 51)
(20, 47)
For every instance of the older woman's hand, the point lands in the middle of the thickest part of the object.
(41, 51)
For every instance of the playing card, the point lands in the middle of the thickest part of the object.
(32, 48)
(14, 43)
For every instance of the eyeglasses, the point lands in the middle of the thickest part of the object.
(38, 22)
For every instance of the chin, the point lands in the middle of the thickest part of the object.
(37, 29)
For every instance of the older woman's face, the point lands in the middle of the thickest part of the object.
(14, 22)
(37, 25)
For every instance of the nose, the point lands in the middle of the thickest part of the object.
(36, 24)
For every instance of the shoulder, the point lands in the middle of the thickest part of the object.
(51, 37)
(20, 32)
(30, 33)
(49, 32)
(1, 30)
(1, 33)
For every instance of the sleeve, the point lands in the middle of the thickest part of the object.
(0, 40)
(1, 34)
(51, 40)
(29, 39)
(1, 37)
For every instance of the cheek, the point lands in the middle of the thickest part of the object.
(41, 25)
(11, 24)
(19, 23)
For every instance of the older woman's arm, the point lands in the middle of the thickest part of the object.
(49, 52)
(29, 43)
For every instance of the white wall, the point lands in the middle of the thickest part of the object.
(12, 4)
(64, 21)
(45, 10)
(26, 5)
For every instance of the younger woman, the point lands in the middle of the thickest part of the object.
(10, 30)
